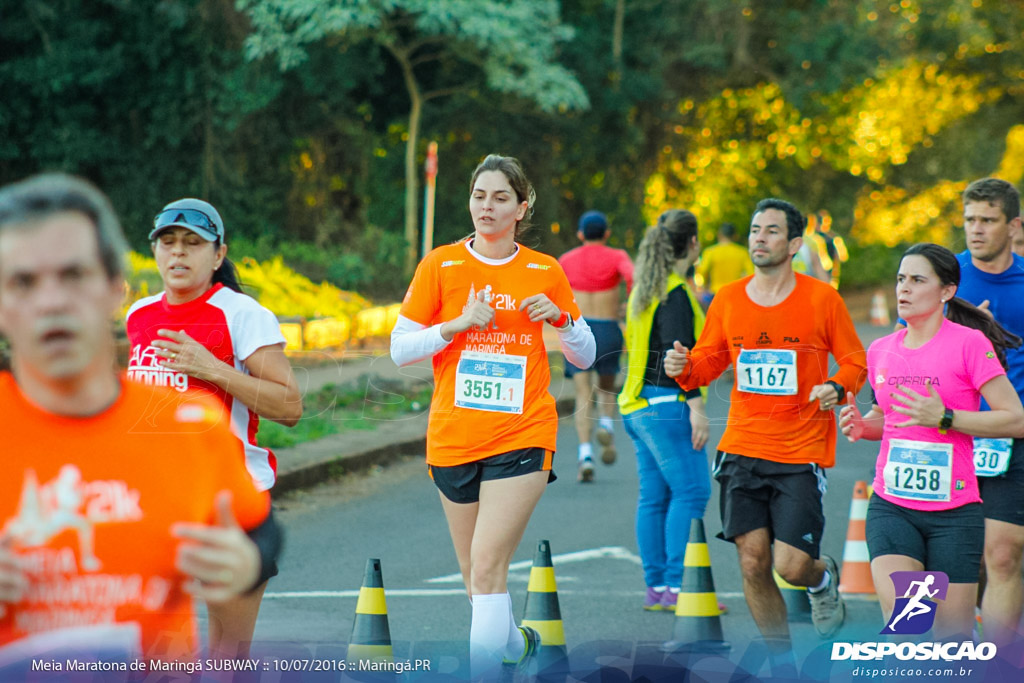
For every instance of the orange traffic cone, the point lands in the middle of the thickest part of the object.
(856, 572)
(698, 627)
(880, 310)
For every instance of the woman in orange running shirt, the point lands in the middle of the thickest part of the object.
(477, 308)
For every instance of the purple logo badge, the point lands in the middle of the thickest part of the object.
(916, 592)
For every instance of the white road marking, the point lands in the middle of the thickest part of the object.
(442, 592)
(609, 552)
(398, 592)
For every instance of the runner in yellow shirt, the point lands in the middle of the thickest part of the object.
(723, 263)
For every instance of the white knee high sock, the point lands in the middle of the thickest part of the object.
(516, 642)
(488, 633)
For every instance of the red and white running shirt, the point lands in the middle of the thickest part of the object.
(232, 326)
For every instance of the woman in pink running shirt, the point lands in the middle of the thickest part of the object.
(928, 382)
(203, 334)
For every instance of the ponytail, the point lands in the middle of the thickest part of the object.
(967, 314)
(227, 275)
(654, 262)
(661, 247)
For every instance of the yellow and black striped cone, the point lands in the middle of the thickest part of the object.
(371, 635)
(698, 627)
(542, 612)
(798, 607)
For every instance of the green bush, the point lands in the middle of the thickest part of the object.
(364, 405)
(367, 265)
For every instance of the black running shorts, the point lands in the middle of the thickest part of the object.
(461, 483)
(1001, 496)
(784, 498)
(949, 541)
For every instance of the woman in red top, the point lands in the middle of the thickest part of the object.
(203, 334)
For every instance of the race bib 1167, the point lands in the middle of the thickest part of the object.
(767, 371)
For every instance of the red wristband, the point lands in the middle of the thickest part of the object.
(561, 321)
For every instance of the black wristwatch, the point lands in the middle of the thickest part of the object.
(840, 390)
(946, 422)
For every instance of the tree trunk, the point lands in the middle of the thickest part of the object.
(412, 186)
(617, 27)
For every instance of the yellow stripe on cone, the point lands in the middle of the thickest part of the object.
(375, 653)
(552, 634)
(542, 580)
(697, 555)
(371, 601)
(698, 605)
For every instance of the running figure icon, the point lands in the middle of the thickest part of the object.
(916, 605)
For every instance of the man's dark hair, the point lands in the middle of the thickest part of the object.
(727, 230)
(995, 191)
(46, 194)
(795, 221)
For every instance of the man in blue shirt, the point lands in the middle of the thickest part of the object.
(992, 273)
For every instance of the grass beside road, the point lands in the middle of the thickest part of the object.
(365, 405)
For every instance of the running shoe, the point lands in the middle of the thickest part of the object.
(586, 471)
(532, 639)
(653, 600)
(827, 608)
(669, 599)
(606, 439)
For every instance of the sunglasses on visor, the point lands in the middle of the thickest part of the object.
(192, 217)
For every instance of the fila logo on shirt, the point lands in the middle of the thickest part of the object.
(143, 366)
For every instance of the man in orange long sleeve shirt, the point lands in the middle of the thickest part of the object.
(777, 328)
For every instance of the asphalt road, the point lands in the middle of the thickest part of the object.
(393, 514)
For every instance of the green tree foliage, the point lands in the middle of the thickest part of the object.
(511, 44)
(878, 110)
(148, 100)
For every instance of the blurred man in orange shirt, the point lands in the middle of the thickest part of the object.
(113, 515)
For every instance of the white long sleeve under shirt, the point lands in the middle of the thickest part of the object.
(412, 342)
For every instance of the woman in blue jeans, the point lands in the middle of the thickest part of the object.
(669, 428)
